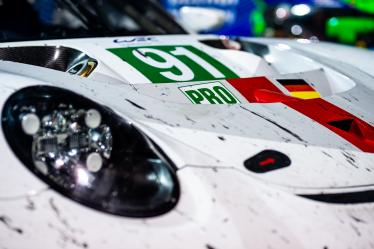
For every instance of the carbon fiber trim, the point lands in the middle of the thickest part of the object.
(63, 59)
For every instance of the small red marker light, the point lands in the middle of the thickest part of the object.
(267, 161)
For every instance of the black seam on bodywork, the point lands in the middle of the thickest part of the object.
(135, 104)
(343, 198)
(276, 124)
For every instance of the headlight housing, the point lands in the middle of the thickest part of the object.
(88, 153)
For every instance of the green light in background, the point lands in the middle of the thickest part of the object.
(257, 19)
(347, 29)
(363, 5)
(333, 22)
(258, 22)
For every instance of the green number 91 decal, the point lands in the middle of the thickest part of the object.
(164, 64)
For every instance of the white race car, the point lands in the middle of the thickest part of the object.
(149, 140)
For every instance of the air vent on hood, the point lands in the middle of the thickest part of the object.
(344, 125)
(354, 127)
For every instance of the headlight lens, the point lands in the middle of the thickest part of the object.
(88, 153)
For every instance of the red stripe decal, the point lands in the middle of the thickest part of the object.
(344, 124)
(339, 121)
(248, 86)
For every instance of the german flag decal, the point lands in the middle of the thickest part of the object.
(299, 88)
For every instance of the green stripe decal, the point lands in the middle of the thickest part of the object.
(165, 64)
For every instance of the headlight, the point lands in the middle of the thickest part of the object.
(88, 153)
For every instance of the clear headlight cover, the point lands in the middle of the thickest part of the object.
(88, 153)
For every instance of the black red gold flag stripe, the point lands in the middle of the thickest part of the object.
(299, 88)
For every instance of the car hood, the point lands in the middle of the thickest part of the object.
(326, 132)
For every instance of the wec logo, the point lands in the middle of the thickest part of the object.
(209, 93)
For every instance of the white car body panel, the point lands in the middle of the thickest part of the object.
(222, 204)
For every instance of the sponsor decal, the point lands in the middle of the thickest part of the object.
(299, 88)
(342, 123)
(135, 39)
(205, 2)
(209, 93)
(165, 64)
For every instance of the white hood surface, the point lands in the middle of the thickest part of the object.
(211, 111)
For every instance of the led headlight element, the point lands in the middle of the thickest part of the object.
(88, 153)
(67, 137)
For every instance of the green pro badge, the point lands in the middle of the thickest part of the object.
(209, 93)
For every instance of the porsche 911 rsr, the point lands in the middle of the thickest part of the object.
(181, 141)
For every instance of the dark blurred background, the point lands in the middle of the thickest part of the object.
(343, 21)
